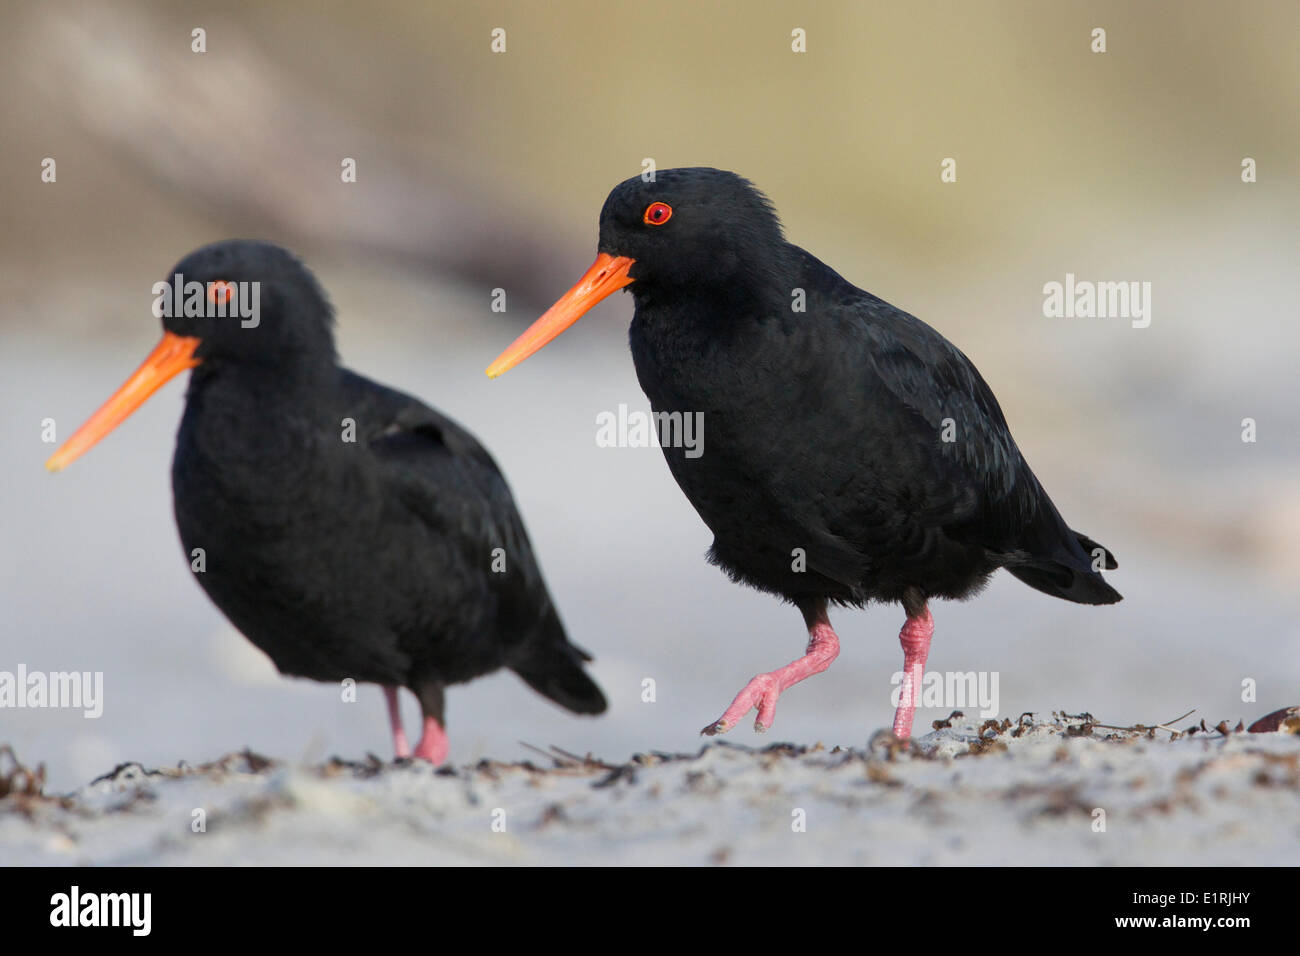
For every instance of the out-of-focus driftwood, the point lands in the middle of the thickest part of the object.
(254, 141)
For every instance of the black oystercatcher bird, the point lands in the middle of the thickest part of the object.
(348, 530)
(851, 453)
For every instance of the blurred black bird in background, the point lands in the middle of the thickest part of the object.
(851, 453)
(347, 529)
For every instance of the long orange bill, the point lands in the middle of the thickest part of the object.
(173, 355)
(606, 276)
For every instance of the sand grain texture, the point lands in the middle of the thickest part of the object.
(1016, 793)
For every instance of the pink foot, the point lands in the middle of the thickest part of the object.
(763, 691)
(915, 638)
(434, 745)
(400, 745)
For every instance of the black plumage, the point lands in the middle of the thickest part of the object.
(347, 529)
(836, 427)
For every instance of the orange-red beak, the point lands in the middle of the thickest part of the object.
(606, 276)
(173, 355)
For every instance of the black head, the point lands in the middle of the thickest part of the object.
(247, 301)
(693, 231)
(690, 226)
(244, 303)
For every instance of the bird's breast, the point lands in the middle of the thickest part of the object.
(748, 407)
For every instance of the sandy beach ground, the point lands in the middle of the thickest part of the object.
(1045, 791)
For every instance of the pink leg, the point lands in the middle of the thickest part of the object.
(915, 638)
(763, 690)
(402, 748)
(433, 746)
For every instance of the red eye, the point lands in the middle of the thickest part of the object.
(657, 213)
(219, 293)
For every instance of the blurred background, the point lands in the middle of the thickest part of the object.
(478, 170)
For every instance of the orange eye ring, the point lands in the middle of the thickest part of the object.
(657, 213)
(220, 292)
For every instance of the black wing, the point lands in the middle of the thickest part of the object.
(966, 481)
(444, 478)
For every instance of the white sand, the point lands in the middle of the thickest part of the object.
(959, 798)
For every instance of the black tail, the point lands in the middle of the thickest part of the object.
(1068, 577)
(553, 667)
